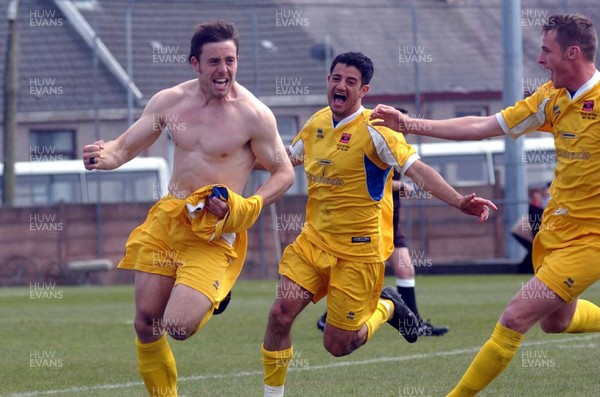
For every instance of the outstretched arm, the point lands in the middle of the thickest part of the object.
(456, 129)
(425, 176)
(271, 156)
(139, 136)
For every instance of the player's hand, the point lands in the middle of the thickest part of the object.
(92, 155)
(217, 207)
(389, 117)
(477, 206)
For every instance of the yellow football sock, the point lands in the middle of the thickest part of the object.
(380, 316)
(585, 319)
(157, 367)
(492, 359)
(275, 364)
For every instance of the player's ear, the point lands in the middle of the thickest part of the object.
(195, 64)
(573, 52)
(364, 89)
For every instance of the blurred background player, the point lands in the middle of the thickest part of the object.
(527, 227)
(402, 265)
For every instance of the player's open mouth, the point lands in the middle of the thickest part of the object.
(221, 82)
(338, 98)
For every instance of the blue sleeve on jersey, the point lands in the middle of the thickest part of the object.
(376, 178)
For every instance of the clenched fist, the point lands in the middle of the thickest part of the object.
(92, 155)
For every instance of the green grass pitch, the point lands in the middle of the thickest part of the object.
(79, 341)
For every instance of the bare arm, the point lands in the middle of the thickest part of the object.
(425, 176)
(259, 167)
(456, 129)
(138, 137)
(273, 157)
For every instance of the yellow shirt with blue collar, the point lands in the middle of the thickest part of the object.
(347, 165)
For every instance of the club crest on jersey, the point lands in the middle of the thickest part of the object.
(588, 106)
(345, 138)
(319, 133)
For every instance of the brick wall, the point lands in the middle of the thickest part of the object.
(32, 239)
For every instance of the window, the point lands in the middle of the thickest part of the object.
(52, 145)
(118, 187)
(288, 128)
(461, 170)
(43, 190)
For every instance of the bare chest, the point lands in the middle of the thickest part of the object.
(217, 134)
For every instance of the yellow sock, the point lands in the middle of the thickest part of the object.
(275, 364)
(157, 367)
(380, 316)
(492, 359)
(585, 319)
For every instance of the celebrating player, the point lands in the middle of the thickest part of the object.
(200, 226)
(348, 233)
(566, 248)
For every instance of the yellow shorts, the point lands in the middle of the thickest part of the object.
(565, 256)
(166, 245)
(352, 288)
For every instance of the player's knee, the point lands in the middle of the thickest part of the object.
(180, 331)
(280, 316)
(145, 324)
(554, 325)
(337, 349)
(512, 320)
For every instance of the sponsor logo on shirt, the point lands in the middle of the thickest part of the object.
(573, 155)
(361, 239)
(345, 138)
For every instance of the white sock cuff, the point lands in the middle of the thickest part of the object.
(405, 283)
(273, 391)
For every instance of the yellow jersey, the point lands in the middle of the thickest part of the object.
(349, 208)
(574, 120)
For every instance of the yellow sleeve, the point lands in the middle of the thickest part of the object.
(392, 148)
(529, 114)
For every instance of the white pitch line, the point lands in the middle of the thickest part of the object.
(307, 368)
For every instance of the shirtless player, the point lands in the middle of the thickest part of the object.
(226, 130)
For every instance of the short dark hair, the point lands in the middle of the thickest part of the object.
(360, 61)
(574, 29)
(212, 32)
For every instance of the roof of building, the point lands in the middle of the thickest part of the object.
(458, 47)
